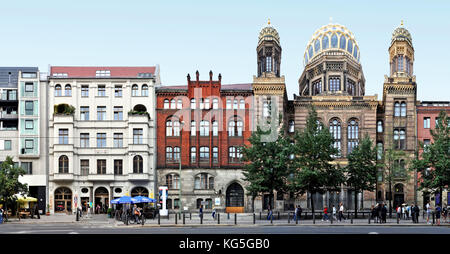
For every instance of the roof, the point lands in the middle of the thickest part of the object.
(9, 76)
(226, 87)
(102, 72)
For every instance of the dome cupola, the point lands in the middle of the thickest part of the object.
(268, 33)
(401, 34)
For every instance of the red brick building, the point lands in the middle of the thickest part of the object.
(200, 129)
(427, 118)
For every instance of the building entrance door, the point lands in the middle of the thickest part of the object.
(101, 200)
(399, 197)
(235, 198)
(63, 200)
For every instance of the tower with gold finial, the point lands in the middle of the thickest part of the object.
(398, 114)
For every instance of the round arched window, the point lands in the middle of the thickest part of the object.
(118, 190)
(85, 190)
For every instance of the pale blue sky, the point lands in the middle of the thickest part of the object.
(185, 36)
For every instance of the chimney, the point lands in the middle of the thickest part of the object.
(197, 74)
(220, 77)
(188, 78)
(210, 75)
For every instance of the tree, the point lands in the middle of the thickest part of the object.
(314, 153)
(435, 163)
(268, 163)
(393, 169)
(362, 168)
(9, 182)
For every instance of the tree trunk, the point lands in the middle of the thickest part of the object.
(253, 203)
(356, 204)
(312, 204)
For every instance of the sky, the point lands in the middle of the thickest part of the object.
(185, 36)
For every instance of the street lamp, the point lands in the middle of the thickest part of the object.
(179, 175)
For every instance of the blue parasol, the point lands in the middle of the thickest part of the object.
(124, 200)
(142, 199)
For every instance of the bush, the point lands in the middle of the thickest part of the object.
(64, 109)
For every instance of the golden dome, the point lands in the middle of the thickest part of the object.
(331, 37)
(268, 33)
(401, 34)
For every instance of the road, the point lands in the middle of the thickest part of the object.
(61, 228)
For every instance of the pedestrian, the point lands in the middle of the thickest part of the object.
(299, 213)
(269, 213)
(295, 213)
(445, 213)
(214, 213)
(438, 214)
(383, 213)
(379, 207)
(403, 212)
(417, 212)
(135, 213)
(200, 212)
(399, 212)
(1, 214)
(413, 213)
(408, 211)
(334, 213)
(341, 211)
(325, 214)
(428, 207)
(373, 213)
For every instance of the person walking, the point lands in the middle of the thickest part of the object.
(417, 212)
(200, 212)
(269, 214)
(325, 214)
(438, 211)
(399, 212)
(379, 212)
(445, 213)
(373, 212)
(295, 213)
(135, 213)
(341, 211)
(334, 213)
(214, 213)
(383, 213)
(413, 213)
(428, 207)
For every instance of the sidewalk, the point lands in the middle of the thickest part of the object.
(63, 218)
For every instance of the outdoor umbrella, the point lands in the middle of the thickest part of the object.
(142, 199)
(124, 200)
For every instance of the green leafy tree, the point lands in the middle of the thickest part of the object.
(314, 152)
(267, 162)
(434, 166)
(393, 170)
(9, 182)
(362, 168)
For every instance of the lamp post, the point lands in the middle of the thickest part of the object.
(179, 175)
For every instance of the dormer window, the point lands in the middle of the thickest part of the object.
(103, 73)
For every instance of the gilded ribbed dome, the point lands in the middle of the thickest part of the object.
(268, 33)
(401, 34)
(331, 37)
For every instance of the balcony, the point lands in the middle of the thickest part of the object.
(101, 177)
(5, 116)
(62, 177)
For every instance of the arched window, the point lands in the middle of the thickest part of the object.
(63, 164)
(193, 128)
(169, 154)
(235, 104)
(215, 103)
(173, 104)
(134, 90)
(58, 91)
(403, 109)
(138, 164)
(352, 135)
(396, 138)
(379, 150)
(234, 154)
(400, 63)
(173, 181)
(193, 104)
(343, 42)
(355, 52)
(334, 41)
(215, 128)
(291, 126)
(316, 46)
(242, 104)
(204, 154)
(176, 154)
(204, 128)
(351, 87)
(325, 42)
(176, 128)
(228, 104)
(68, 90)
(379, 126)
(169, 129)
(310, 51)
(199, 202)
(231, 128)
(193, 154)
(206, 104)
(350, 46)
(317, 87)
(144, 91)
(335, 130)
(396, 108)
(402, 139)
(166, 104)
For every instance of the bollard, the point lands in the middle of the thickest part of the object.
(168, 216)
(190, 216)
(176, 219)
(254, 218)
(126, 220)
(433, 218)
(179, 216)
(296, 218)
(159, 219)
(314, 218)
(78, 216)
(398, 220)
(332, 215)
(228, 216)
(289, 217)
(271, 218)
(259, 215)
(235, 219)
(184, 219)
(351, 221)
(201, 218)
(218, 218)
(278, 215)
(306, 215)
(369, 219)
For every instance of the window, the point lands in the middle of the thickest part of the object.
(28, 167)
(118, 113)
(215, 128)
(335, 84)
(426, 122)
(176, 154)
(201, 105)
(379, 150)
(118, 91)
(350, 46)
(101, 139)
(169, 128)
(166, 103)
(215, 154)
(291, 126)
(29, 146)
(101, 113)
(68, 90)
(144, 91)
(84, 140)
(215, 103)
(266, 108)
(102, 73)
(84, 91)
(335, 130)
(228, 104)
(343, 41)
(84, 113)
(379, 126)
(84, 167)
(176, 128)
(317, 87)
(204, 154)
(400, 63)
(101, 167)
(204, 128)
(137, 136)
(29, 74)
(193, 104)
(352, 135)
(235, 104)
(118, 140)
(207, 104)
(7, 144)
(426, 142)
(29, 124)
(242, 104)
(204, 181)
(351, 87)
(29, 108)
(173, 182)
(234, 154)
(268, 63)
(317, 46)
(179, 104)
(172, 104)
(334, 41)
(64, 136)
(193, 154)
(235, 128)
(138, 164)
(231, 129)
(134, 90)
(29, 86)
(396, 108)
(399, 139)
(403, 109)
(193, 128)
(325, 42)
(118, 167)
(169, 154)
(63, 164)
(58, 91)
(101, 90)
(436, 122)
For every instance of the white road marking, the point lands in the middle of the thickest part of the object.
(373, 233)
